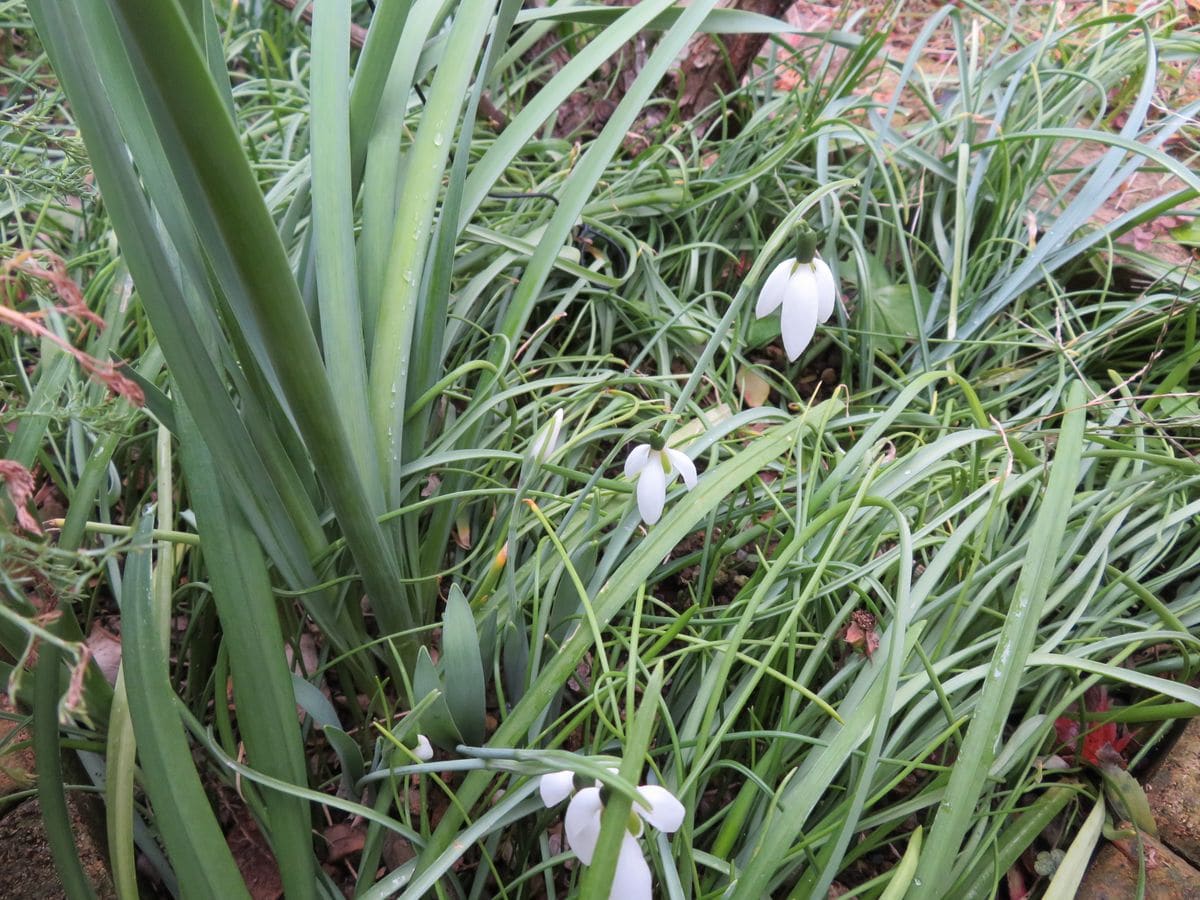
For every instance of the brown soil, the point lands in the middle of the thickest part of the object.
(1173, 790)
(1172, 863)
(1178, 85)
(1114, 873)
(26, 865)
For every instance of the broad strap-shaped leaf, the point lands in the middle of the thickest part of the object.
(185, 820)
(262, 684)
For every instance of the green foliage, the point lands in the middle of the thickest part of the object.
(356, 309)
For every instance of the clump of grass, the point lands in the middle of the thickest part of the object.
(844, 650)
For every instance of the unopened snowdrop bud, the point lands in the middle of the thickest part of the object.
(654, 466)
(545, 442)
(423, 749)
(805, 289)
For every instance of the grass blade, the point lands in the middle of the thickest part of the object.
(333, 231)
(262, 684)
(411, 235)
(51, 792)
(120, 758)
(967, 780)
(189, 829)
(1069, 874)
(903, 871)
(615, 594)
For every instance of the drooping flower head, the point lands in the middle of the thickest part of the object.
(657, 806)
(804, 287)
(654, 466)
(422, 750)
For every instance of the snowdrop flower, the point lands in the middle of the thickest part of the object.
(804, 287)
(423, 751)
(631, 880)
(654, 465)
(545, 442)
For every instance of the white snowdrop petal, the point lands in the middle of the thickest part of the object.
(539, 442)
(423, 751)
(652, 489)
(555, 787)
(826, 290)
(582, 823)
(631, 880)
(682, 463)
(546, 441)
(665, 812)
(799, 320)
(774, 289)
(636, 460)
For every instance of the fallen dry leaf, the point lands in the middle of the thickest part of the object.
(344, 839)
(105, 648)
(753, 387)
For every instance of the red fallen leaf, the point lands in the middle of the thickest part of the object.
(861, 633)
(1103, 743)
(1066, 730)
(1015, 879)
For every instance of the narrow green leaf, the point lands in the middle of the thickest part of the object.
(718, 21)
(55, 366)
(120, 758)
(51, 791)
(333, 231)
(1128, 798)
(189, 829)
(438, 723)
(349, 755)
(374, 65)
(1069, 874)
(967, 781)
(412, 233)
(1185, 693)
(203, 22)
(262, 684)
(310, 699)
(384, 146)
(465, 687)
(903, 871)
(433, 311)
